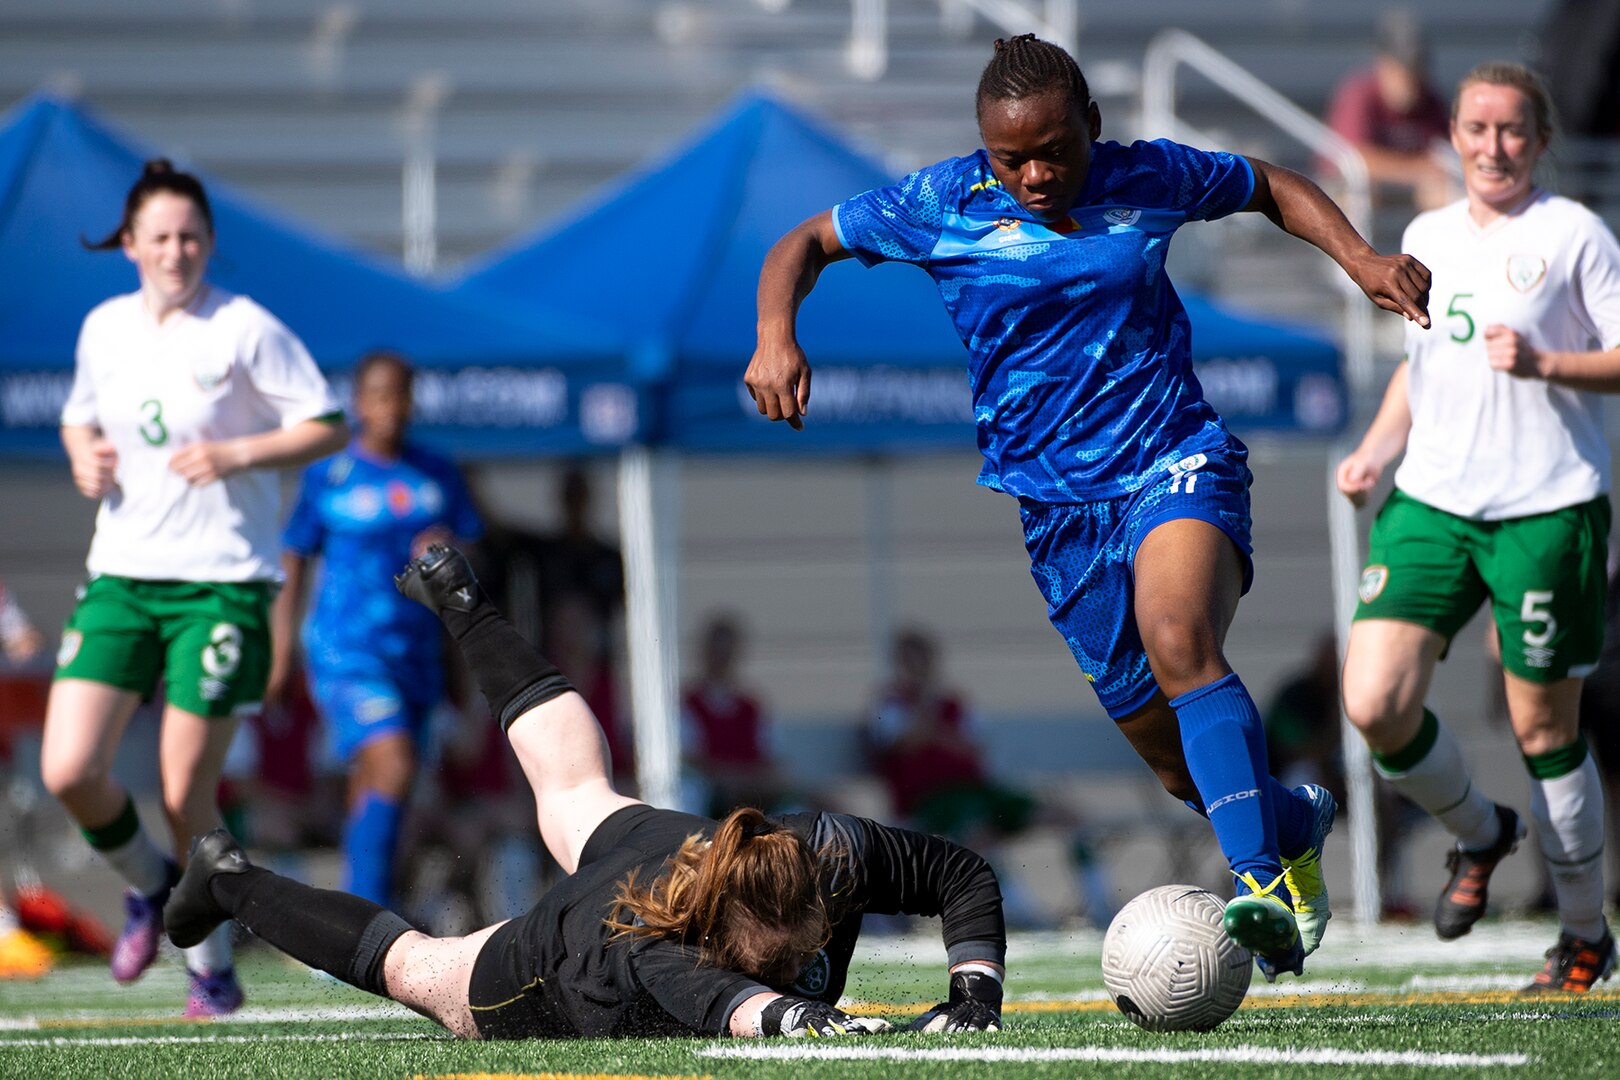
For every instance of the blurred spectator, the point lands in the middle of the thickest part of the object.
(923, 745)
(529, 571)
(728, 745)
(1393, 115)
(1303, 740)
(564, 591)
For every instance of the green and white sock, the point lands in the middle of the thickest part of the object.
(1566, 803)
(129, 850)
(1431, 772)
(213, 953)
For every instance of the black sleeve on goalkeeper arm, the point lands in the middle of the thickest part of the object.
(511, 672)
(892, 871)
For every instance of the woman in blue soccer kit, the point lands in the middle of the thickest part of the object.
(375, 660)
(1048, 247)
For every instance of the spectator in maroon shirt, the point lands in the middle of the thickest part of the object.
(1392, 114)
(727, 743)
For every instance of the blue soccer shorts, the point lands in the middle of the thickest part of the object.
(358, 707)
(1082, 558)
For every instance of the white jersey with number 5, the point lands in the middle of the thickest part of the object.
(1485, 444)
(223, 368)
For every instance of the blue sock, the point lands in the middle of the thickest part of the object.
(1291, 812)
(370, 835)
(1225, 744)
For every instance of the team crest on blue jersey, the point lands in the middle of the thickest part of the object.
(1525, 272)
(1121, 216)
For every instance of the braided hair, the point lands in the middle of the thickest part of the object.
(1025, 67)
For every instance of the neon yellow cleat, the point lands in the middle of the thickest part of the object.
(1303, 873)
(1264, 923)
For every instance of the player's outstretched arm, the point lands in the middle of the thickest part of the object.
(778, 376)
(1294, 203)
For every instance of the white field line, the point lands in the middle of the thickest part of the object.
(1257, 1055)
(250, 1015)
(56, 1042)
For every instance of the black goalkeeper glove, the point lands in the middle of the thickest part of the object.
(797, 1018)
(974, 1005)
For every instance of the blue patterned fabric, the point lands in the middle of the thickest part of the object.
(1081, 557)
(1080, 360)
(361, 516)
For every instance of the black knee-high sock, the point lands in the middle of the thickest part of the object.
(511, 672)
(340, 934)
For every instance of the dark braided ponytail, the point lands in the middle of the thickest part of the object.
(1025, 67)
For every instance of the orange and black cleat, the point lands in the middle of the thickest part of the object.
(1463, 901)
(1574, 965)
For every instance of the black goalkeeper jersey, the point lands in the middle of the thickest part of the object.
(554, 971)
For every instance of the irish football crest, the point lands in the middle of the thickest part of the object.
(1373, 580)
(71, 640)
(1526, 271)
(209, 372)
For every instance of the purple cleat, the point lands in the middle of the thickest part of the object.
(137, 945)
(214, 994)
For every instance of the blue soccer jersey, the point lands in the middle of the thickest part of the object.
(361, 515)
(1080, 356)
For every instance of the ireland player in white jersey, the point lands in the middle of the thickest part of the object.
(1502, 498)
(184, 399)
(1048, 247)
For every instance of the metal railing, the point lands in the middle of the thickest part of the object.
(868, 56)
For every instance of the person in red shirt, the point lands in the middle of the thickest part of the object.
(922, 743)
(727, 743)
(1393, 115)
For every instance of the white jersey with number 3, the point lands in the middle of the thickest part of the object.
(1485, 444)
(221, 369)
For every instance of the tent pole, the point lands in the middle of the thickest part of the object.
(648, 497)
(1366, 889)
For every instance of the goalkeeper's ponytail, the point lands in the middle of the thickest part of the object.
(749, 899)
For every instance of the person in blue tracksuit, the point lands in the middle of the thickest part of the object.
(375, 660)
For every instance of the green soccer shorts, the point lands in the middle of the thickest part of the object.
(1543, 575)
(210, 641)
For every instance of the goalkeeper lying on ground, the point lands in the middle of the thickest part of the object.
(669, 924)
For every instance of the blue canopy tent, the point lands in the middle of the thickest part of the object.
(496, 377)
(672, 254)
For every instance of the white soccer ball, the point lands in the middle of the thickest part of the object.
(1168, 963)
